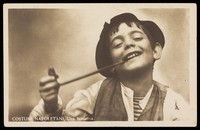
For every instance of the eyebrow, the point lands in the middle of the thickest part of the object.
(132, 32)
(120, 36)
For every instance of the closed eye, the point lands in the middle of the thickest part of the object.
(117, 42)
(117, 45)
(137, 39)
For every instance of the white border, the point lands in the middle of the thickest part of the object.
(192, 65)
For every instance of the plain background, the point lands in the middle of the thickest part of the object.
(66, 40)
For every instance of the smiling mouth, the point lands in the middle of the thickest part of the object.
(132, 55)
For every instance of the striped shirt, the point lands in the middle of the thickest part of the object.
(137, 109)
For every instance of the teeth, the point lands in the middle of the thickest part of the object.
(133, 55)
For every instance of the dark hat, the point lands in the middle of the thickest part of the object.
(103, 57)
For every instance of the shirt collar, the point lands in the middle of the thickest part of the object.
(144, 101)
(129, 92)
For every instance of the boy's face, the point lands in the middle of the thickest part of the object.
(131, 42)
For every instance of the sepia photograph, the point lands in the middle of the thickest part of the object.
(108, 64)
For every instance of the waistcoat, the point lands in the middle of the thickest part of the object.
(110, 106)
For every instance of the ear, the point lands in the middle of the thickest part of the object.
(157, 51)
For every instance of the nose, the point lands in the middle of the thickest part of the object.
(129, 43)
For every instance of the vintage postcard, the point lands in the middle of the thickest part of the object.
(116, 64)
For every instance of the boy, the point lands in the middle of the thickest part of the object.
(129, 92)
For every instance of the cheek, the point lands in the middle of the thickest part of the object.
(149, 54)
(116, 55)
(147, 48)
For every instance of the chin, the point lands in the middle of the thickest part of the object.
(134, 69)
(128, 70)
(133, 66)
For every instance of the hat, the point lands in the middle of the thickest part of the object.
(103, 57)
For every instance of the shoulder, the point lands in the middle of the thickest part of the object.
(88, 95)
(170, 93)
(92, 89)
(83, 101)
(176, 106)
(161, 86)
(174, 96)
(95, 87)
